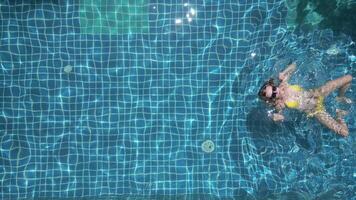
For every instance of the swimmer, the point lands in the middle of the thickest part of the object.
(309, 101)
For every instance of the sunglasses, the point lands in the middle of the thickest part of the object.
(274, 93)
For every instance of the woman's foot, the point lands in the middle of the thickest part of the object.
(344, 100)
(341, 113)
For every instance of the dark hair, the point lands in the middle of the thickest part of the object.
(262, 92)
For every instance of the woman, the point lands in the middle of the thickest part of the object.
(307, 101)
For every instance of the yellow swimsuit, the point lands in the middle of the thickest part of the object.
(319, 107)
(295, 104)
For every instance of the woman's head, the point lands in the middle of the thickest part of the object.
(269, 92)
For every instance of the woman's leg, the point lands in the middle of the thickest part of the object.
(343, 83)
(337, 125)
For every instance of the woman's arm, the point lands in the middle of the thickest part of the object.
(286, 74)
(278, 116)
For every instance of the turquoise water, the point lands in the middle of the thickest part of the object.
(115, 99)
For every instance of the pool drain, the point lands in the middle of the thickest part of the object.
(208, 146)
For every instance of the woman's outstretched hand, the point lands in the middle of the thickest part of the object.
(277, 117)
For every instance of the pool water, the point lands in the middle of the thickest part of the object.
(145, 99)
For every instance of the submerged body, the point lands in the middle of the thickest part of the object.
(309, 101)
(303, 100)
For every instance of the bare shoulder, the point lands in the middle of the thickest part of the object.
(283, 84)
(279, 105)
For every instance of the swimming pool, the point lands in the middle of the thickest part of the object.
(144, 99)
